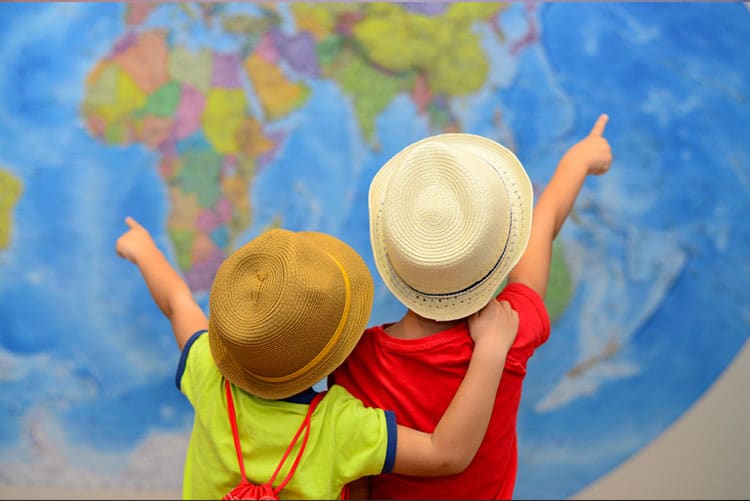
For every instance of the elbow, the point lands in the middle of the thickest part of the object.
(460, 464)
(453, 464)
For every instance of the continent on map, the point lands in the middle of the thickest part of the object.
(379, 50)
(208, 113)
(191, 108)
(11, 188)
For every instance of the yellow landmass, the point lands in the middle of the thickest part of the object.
(10, 191)
(314, 20)
(222, 116)
(466, 13)
(371, 90)
(277, 95)
(113, 97)
(444, 47)
(460, 71)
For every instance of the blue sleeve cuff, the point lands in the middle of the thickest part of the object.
(390, 452)
(184, 355)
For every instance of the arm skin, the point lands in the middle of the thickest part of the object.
(458, 435)
(169, 291)
(591, 155)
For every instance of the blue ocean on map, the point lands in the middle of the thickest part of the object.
(658, 249)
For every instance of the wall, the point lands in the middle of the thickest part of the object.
(704, 455)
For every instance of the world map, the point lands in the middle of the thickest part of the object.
(210, 123)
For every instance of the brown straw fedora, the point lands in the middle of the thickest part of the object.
(286, 309)
(450, 215)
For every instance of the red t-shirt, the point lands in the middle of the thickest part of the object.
(417, 379)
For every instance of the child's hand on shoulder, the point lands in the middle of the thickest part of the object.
(496, 325)
(593, 151)
(131, 243)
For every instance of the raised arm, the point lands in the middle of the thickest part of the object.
(458, 435)
(591, 155)
(169, 291)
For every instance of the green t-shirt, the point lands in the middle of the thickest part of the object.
(347, 440)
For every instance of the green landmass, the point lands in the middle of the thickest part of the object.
(560, 286)
(371, 90)
(164, 100)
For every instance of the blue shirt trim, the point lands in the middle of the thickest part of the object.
(303, 397)
(184, 355)
(390, 452)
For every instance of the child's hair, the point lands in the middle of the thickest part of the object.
(286, 309)
(450, 215)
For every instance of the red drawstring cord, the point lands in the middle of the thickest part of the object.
(304, 426)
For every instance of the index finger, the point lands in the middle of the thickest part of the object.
(132, 223)
(598, 128)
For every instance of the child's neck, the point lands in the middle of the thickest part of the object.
(413, 326)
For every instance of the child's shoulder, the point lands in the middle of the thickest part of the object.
(515, 292)
(339, 400)
(348, 415)
(337, 395)
(535, 325)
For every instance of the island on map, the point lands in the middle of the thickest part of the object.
(10, 191)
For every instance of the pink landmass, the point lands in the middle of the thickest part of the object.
(267, 48)
(208, 220)
(201, 275)
(123, 44)
(346, 22)
(168, 149)
(226, 71)
(166, 166)
(421, 93)
(137, 12)
(96, 124)
(188, 113)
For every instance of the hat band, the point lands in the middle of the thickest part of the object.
(475, 284)
(329, 345)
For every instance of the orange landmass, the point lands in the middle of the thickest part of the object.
(146, 61)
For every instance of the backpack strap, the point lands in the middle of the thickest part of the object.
(305, 426)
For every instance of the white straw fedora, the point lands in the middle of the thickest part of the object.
(450, 215)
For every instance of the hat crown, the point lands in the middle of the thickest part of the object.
(276, 302)
(450, 215)
(443, 217)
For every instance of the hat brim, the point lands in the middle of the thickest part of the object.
(452, 305)
(362, 290)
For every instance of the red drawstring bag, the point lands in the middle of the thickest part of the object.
(248, 490)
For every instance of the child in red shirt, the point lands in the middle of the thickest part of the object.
(450, 219)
